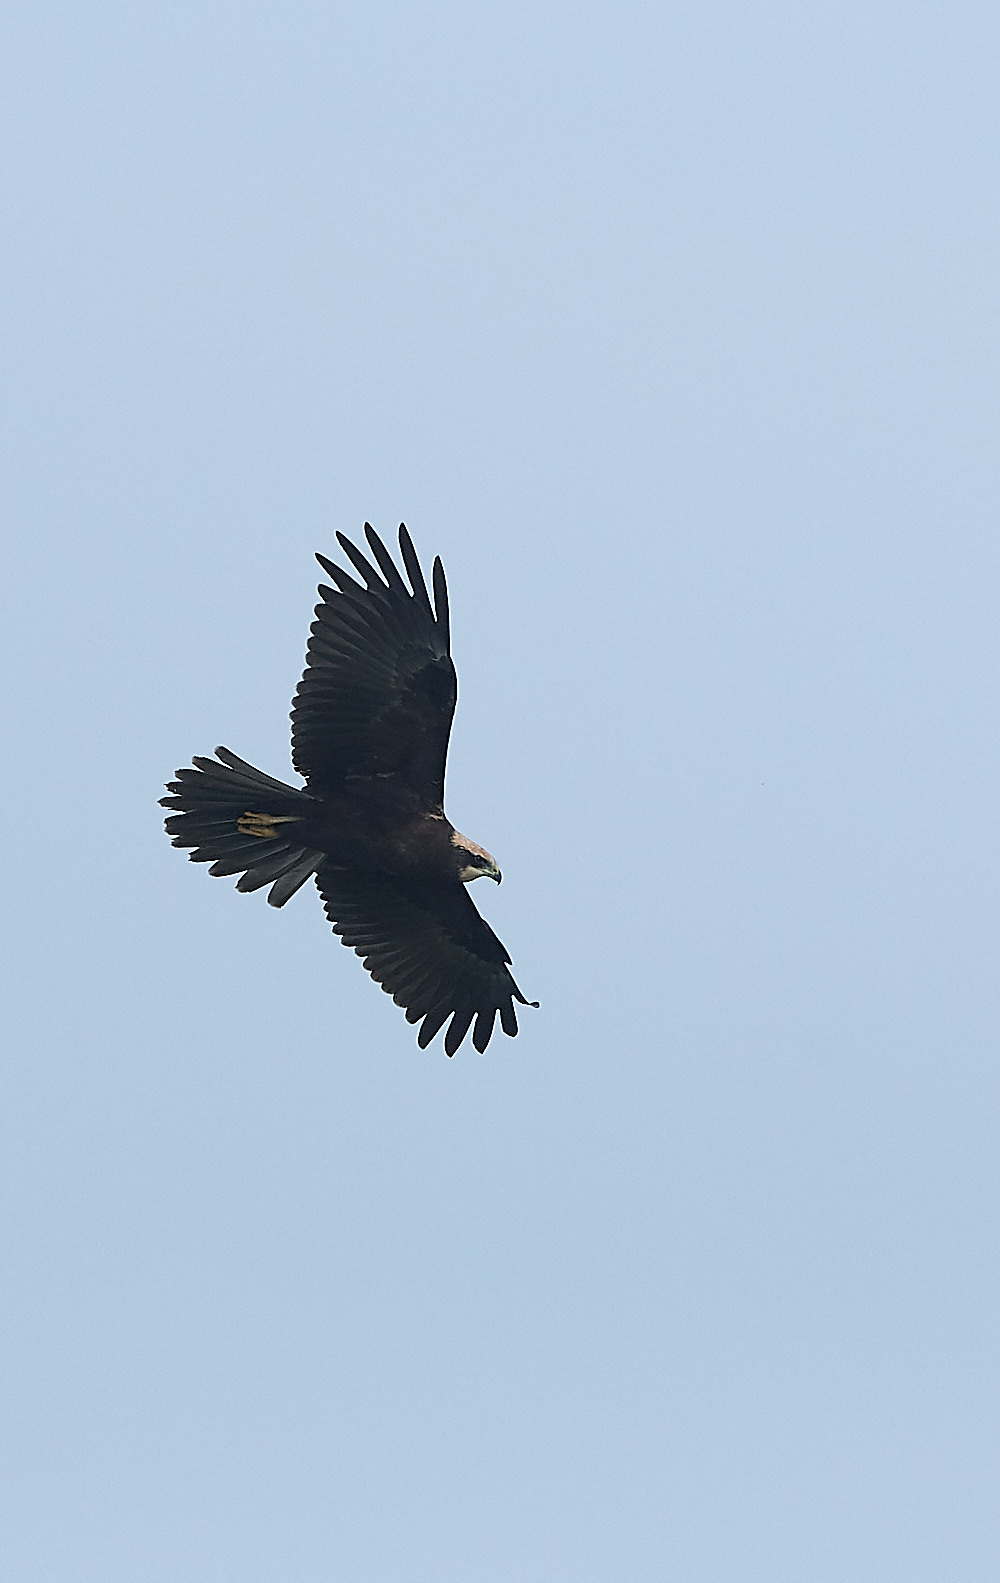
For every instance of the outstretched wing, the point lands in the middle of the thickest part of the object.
(429, 948)
(378, 694)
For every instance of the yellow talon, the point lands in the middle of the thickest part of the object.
(262, 824)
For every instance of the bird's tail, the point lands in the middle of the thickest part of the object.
(242, 822)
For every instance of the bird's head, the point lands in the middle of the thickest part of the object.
(473, 861)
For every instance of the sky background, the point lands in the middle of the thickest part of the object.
(673, 329)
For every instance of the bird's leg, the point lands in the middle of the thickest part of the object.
(262, 824)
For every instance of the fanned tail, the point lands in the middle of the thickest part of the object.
(242, 822)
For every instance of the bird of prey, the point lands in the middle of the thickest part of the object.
(370, 727)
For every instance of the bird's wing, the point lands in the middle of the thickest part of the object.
(378, 693)
(428, 947)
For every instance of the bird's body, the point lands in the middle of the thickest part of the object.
(370, 727)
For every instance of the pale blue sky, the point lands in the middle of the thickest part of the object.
(673, 330)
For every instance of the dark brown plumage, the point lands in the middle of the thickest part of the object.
(370, 725)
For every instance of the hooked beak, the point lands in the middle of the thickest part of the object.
(497, 876)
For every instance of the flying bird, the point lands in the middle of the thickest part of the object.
(370, 725)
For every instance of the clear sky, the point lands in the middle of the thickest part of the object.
(673, 329)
